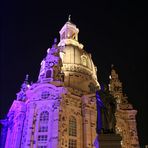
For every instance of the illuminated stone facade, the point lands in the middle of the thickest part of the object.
(59, 110)
(125, 114)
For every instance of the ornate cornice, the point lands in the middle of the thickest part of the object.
(64, 42)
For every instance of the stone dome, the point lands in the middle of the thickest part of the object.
(78, 67)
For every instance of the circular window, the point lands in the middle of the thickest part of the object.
(45, 95)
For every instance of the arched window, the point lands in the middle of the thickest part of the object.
(72, 143)
(72, 132)
(92, 87)
(72, 126)
(49, 73)
(42, 138)
(43, 121)
(44, 116)
(45, 94)
(84, 60)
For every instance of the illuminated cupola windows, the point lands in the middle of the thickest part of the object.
(69, 34)
(69, 31)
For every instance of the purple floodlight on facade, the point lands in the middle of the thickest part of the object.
(25, 114)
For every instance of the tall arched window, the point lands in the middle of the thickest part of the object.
(42, 138)
(43, 121)
(72, 132)
(72, 143)
(72, 126)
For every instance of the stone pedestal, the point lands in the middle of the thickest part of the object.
(109, 141)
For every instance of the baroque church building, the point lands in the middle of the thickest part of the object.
(59, 110)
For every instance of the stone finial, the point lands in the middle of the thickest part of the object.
(21, 95)
(25, 85)
(55, 40)
(69, 17)
(112, 66)
(26, 78)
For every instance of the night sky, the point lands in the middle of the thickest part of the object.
(114, 32)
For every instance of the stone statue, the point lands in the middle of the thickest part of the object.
(100, 105)
(106, 107)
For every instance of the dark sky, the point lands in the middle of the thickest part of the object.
(114, 32)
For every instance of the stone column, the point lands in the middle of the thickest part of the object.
(86, 128)
(19, 127)
(30, 117)
(93, 126)
(55, 125)
(10, 131)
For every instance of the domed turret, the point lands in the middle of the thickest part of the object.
(51, 65)
(78, 67)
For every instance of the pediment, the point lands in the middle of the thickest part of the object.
(45, 92)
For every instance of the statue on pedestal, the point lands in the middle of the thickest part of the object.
(106, 109)
(105, 115)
